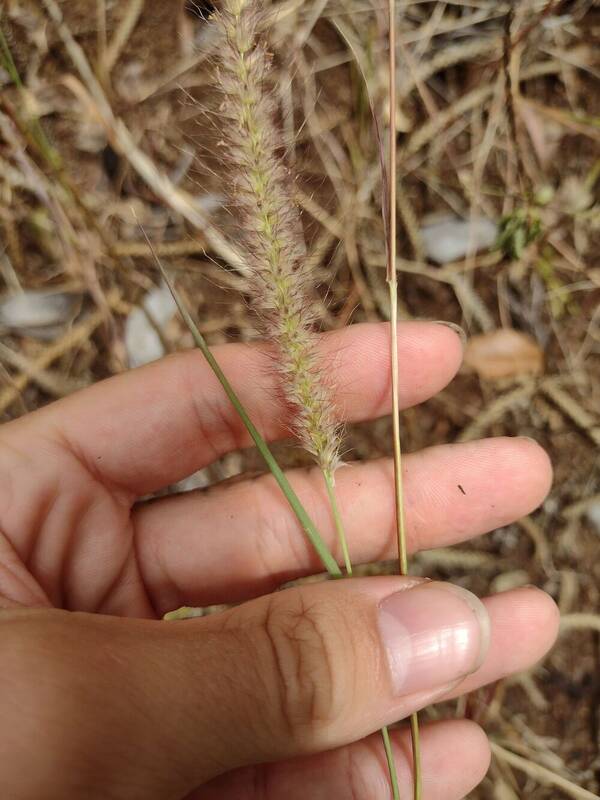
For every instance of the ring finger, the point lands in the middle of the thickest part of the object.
(455, 757)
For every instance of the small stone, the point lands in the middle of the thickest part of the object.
(142, 341)
(39, 314)
(449, 238)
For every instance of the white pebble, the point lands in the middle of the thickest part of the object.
(449, 238)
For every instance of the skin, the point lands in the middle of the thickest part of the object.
(102, 699)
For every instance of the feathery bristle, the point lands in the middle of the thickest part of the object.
(272, 238)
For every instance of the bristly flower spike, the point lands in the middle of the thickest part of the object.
(269, 221)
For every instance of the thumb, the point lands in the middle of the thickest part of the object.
(318, 666)
(139, 708)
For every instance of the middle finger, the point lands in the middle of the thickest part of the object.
(241, 540)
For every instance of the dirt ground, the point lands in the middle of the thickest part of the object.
(116, 112)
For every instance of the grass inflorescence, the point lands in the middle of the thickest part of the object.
(261, 188)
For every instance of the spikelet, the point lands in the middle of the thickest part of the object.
(270, 226)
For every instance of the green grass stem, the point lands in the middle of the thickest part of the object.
(337, 517)
(389, 755)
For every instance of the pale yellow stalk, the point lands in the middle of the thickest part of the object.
(392, 279)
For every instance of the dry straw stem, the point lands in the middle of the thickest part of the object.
(126, 27)
(580, 621)
(542, 775)
(392, 279)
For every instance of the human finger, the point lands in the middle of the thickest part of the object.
(294, 674)
(455, 756)
(524, 626)
(152, 426)
(241, 540)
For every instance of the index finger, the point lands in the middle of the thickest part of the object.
(157, 424)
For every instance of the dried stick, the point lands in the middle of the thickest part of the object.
(392, 280)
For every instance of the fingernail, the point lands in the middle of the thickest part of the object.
(433, 634)
(460, 332)
(527, 439)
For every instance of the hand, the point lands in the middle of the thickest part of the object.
(111, 702)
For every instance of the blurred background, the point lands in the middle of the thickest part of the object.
(109, 122)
